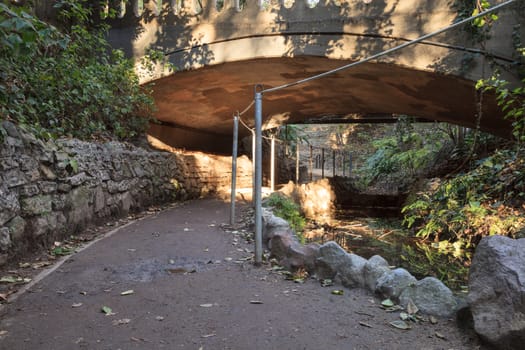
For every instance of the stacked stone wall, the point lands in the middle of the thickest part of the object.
(50, 190)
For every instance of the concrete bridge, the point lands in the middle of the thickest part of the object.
(221, 50)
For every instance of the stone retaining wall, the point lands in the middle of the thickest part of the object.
(49, 190)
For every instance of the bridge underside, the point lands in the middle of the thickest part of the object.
(195, 108)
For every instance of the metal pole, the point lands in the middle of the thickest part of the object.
(311, 163)
(258, 177)
(234, 168)
(253, 168)
(344, 165)
(297, 162)
(272, 165)
(349, 164)
(333, 163)
(322, 163)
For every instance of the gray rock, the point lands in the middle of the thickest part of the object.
(374, 269)
(79, 212)
(16, 226)
(280, 243)
(11, 129)
(5, 239)
(301, 256)
(431, 296)
(14, 178)
(9, 205)
(78, 179)
(29, 190)
(47, 172)
(392, 284)
(351, 272)
(36, 205)
(497, 291)
(271, 224)
(332, 255)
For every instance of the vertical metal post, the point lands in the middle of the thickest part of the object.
(322, 163)
(272, 165)
(297, 160)
(253, 168)
(311, 163)
(349, 164)
(333, 163)
(258, 177)
(234, 167)
(344, 165)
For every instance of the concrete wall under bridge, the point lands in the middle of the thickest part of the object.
(220, 56)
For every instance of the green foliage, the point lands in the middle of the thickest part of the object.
(69, 81)
(483, 201)
(287, 209)
(511, 101)
(407, 152)
(445, 261)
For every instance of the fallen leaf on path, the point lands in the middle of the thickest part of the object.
(364, 324)
(206, 249)
(107, 310)
(399, 324)
(387, 303)
(10, 279)
(76, 305)
(127, 292)
(433, 320)
(206, 305)
(256, 302)
(83, 293)
(327, 282)
(208, 335)
(121, 321)
(211, 225)
(412, 308)
(41, 264)
(338, 292)
(24, 265)
(159, 318)
(2, 333)
(440, 336)
(228, 259)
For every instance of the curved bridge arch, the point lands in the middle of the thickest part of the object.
(220, 56)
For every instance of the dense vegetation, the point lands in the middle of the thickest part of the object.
(65, 80)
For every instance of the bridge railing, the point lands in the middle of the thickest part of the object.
(184, 7)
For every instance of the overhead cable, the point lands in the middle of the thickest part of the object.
(386, 52)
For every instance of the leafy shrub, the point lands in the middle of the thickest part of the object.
(484, 201)
(287, 209)
(67, 82)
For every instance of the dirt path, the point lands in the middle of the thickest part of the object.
(194, 289)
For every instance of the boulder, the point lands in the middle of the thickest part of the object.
(374, 269)
(331, 257)
(272, 224)
(280, 244)
(391, 285)
(299, 256)
(497, 291)
(351, 272)
(431, 296)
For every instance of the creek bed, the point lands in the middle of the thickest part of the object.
(368, 231)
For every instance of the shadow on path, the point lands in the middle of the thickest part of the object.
(194, 288)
